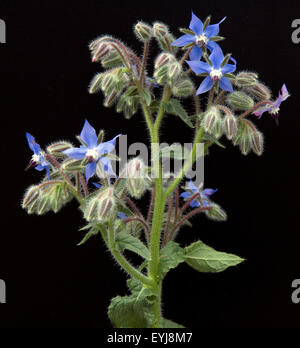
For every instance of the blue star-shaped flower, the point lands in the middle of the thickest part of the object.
(216, 71)
(93, 152)
(202, 200)
(38, 160)
(200, 38)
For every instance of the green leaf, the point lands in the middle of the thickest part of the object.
(131, 91)
(125, 240)
(170, 257)
(169, 324)
(147, 96)
(154, 106)
(174, 107)
(93, 231)
(134, 286)
(205, 259)
(132, 311)
(213, 139)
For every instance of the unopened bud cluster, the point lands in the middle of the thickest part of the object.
(137, 178)
(249, 138)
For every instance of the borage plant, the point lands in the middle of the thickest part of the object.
(108, 204)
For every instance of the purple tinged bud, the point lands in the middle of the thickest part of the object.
(230, 126)
(111, 98)
(212, 122)
(257, 141)
(137, 178)
(163, 59)
(101, 207)
(101, 51)
(160, 30)
(143, 31)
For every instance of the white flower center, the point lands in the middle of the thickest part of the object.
(274, 111)
(35, 158)
(92, 154)
(201, 40)
(216, 74)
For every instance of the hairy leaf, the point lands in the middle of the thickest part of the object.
(203, 258)
(170, 257)
(174, 107)
(125, 240)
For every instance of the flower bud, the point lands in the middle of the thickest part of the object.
(95, 84)
(163, 59)
(106, 204)
(137, 181)
(230, 126)
(162, 74)
(72, 165)
(183, 88)
(260, 91)
(257, 141)
(111, 60)
(143, 31)
(111, 98)
(240, 101)
(30, 197)
(44, 204)
(246, 79)
(107, 83)
(100, 51)
(160, 30)
(174, 70)
(212, 122)
(245, 143)
(91, 209)
(216, 213)
(56, 149)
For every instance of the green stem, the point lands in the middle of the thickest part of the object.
(110, 242)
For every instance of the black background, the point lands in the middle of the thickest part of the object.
(45, 72)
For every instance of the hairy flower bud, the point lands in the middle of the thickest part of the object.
(161, 75)
(174, 70)
(101, 207)
(245, 143)
(240, 101)
(100, 51)
(44, 204)
(56, 149)
(260, 91)
(257, 141)
(246, 79)
(216, 213)
(107, 83)
(183, 88)
(137, 181)
(143, 31)
(163, 59)
(30, 197)
(72, 165)
(95, 84)
(160, 30)
(111, 98)
(212, 122)
(230, 126)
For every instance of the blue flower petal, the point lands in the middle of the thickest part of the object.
(199, 67)
(193, 187)
(183, 40)
(211, 45)
(96, 184)
(195, 204)
(122, 215)
(208, 192)
(217, 57)
(225, 84)
(196, 53)
(213, 30)
(90, 170)
(76, 153)
(205, 86)
(106, 162)
(107, 146)
(196, 24)
(228, 68)
(185, 195)
(32, 144)
(88, 135)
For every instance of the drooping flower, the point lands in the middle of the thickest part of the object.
(93, 152)
(274, 107)
(37, 160)
(202, 200)
(202, 37)
(216, 71)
